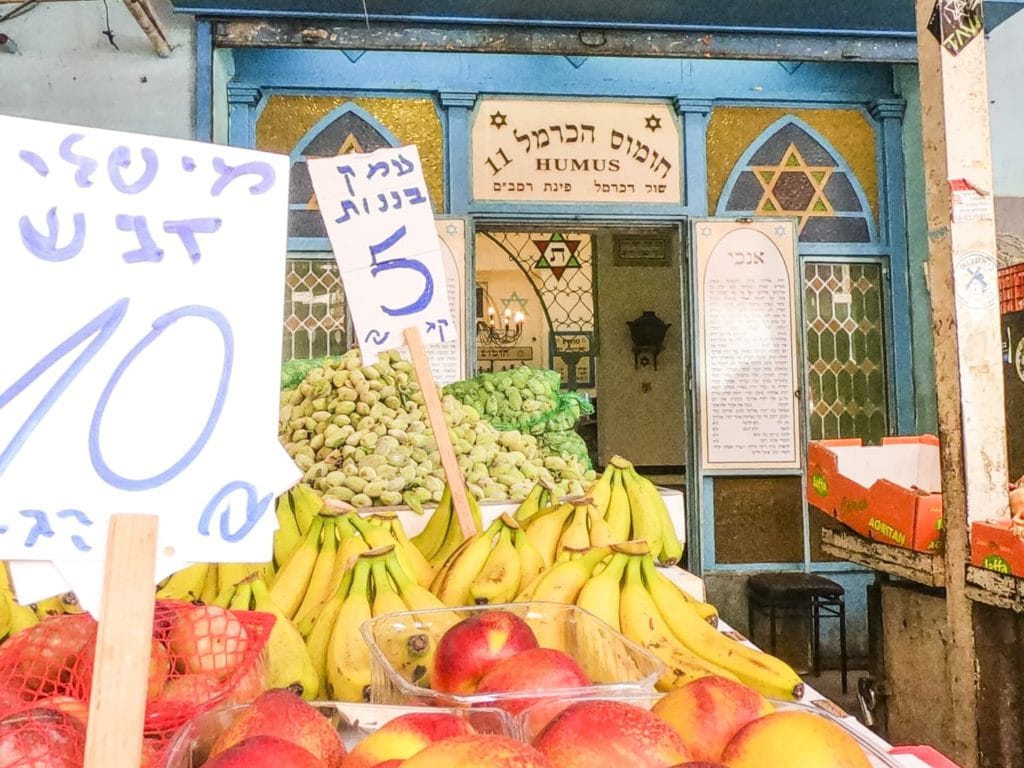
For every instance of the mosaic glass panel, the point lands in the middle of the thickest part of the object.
(792, 174)
(560, 267)
(314, 310)
(845, 350)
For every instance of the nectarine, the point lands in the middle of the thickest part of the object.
(535, 669)
(480, 751)
(707, 713)
(264, 752)
(471, 647)
(404, 736)
(793, 739)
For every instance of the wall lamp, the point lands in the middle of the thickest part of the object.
(648, 334)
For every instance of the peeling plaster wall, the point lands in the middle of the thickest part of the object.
(67, 71)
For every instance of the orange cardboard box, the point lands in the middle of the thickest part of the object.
(889, 492)
(996, 547)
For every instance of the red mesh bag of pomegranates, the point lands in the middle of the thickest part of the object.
(202, 657)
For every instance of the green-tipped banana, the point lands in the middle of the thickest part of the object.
(319, 628)
(600, 595)
(529, 506)
(323, 569)
(600, 491)
(531, 562)
(288, 662)
(617, 514)
(287, 537)
(429, 540)
(645, 515)
(186, 584)
(452, 587)
(408, 554)
(671, 549)
(307, 504)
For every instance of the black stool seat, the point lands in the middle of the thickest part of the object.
(806, 594)
(792, 586)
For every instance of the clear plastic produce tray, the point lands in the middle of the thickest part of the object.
(531, 721)
(616, 665)
(192, 744)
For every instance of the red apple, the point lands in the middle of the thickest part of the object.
(264, 752)
(159, 669)
(480, 751)
(283, 714)
(708, 712)
(609, 734)
(404, 736)
(470, 648)
(192, 691)
(42, 738)
(535, 669)
(209, 639)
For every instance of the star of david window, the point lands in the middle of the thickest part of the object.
(792, 173)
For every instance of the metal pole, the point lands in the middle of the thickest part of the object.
(965, 317)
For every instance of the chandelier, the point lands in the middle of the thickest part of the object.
(500, 332)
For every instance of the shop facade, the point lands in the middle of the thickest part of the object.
(571, 166)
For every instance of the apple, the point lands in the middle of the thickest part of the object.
(535, 669)
(42, 738)
(207, 638)
(472, 646)
(264, 752)
(479, 751)
(609, 734)
(49, 651)
(69, 705)
(283, 714)
(707, 713)
(404, 736)
(794, 739)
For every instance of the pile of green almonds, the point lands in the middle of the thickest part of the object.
(360, 433)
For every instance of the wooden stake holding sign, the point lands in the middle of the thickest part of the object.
(435, 413)
(378, 219)
(124, 642)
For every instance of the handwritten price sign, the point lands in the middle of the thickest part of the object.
(138, 295)
(382, 231)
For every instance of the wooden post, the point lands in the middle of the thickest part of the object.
(148, 21)
(117, 703)
(435, 413)
(965, 318)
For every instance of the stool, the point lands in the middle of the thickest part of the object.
(799, 594)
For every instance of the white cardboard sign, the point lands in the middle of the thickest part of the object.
(381, 227)
(140, 348)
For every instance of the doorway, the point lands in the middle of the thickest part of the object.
(561, 297)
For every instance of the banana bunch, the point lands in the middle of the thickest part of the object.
(442, 534)
(375, 586)
(571, 525)
(622, 586)
(491, 566)
(631, 509)
(540, 497)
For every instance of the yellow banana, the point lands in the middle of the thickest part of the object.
(288, 662)
(453, 536)
(229, 574)
(429, 540)
(576, 535)
(22, 617)
(663, 583)
(671, 549)
(6, 613)
(453, 588)
(307, 504)
(529, 506)
(241, 600)
(5, 578)
(385, 597)
(287, 537)
(293, 576)
(348, 551)
(70, 604)
(531, 562)
(545, 529)
(186, 584)
(642, 623)
(498, 580)
(601, 489)
(351, 545)
(323, 569)
(600, 532)
(563, 581)
(407, 552)
(225, 596)
(646, 517)
(209, 593)
(319, 629)
(600, 595)
(348, 656)
(763, 672)
(50, 606)
(617, 514)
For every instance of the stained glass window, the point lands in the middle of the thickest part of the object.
(314, 309)
(793, 174)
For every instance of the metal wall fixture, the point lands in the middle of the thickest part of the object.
(648, 334)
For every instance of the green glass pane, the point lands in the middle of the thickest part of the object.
(860, 386)
(825, 300)
(831, 429)
(817, 427)
(876, 386)
(829, 391)
(856, 304)
(859, 345)
(845, 383)
(847, 425)
(872, 306)
(814, 382)
(878, 428)
(828, 346)
(812, 346)
(842, 346)
(862, 425)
